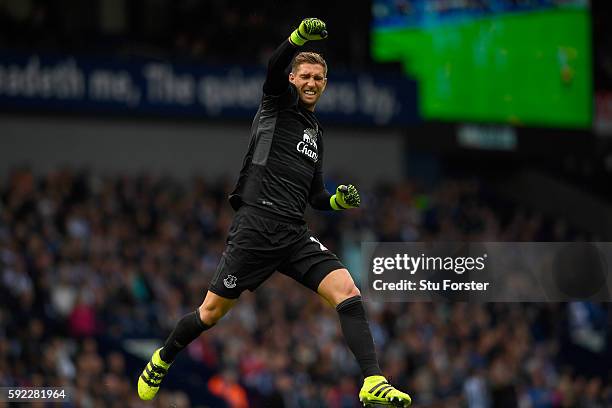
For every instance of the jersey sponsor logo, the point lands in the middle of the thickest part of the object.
(310, 137)
(230, 281)
(308, 145)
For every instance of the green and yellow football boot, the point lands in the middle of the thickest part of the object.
(152, 376)
(377, 391)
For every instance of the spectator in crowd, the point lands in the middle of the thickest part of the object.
(86, 260)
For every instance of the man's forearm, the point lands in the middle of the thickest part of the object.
(276, 79)
(319, 196)
(320, 201)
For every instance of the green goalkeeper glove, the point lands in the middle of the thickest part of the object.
(346, 197)
(309, 29)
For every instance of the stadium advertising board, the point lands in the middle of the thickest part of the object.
(74, 84)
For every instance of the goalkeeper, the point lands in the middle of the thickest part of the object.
(281, 174)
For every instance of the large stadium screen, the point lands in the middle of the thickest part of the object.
(513, 61)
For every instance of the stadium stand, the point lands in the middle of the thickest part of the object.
(88, 262)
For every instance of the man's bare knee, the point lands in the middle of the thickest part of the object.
(210, 314)
(337, 287)
(214, 308)
(354, 291)
(347, 292)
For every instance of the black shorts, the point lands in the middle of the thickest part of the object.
(258, 245)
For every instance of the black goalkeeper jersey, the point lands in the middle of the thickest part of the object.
(282, 169)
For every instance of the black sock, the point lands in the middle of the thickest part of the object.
(357, 335)
(186, 330)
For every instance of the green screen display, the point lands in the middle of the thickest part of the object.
(530, 67)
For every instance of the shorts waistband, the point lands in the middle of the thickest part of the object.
(248, 209)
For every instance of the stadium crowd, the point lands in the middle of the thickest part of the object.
(85, 257)
(217, 32)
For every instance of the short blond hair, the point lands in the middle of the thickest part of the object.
(308, 58)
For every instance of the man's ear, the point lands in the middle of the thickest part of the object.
(291, 77)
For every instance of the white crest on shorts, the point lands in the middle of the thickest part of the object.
(230, 281)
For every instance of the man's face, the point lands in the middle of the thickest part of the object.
(310, 82)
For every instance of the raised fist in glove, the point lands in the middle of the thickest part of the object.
(346, 197)
(309, 29)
